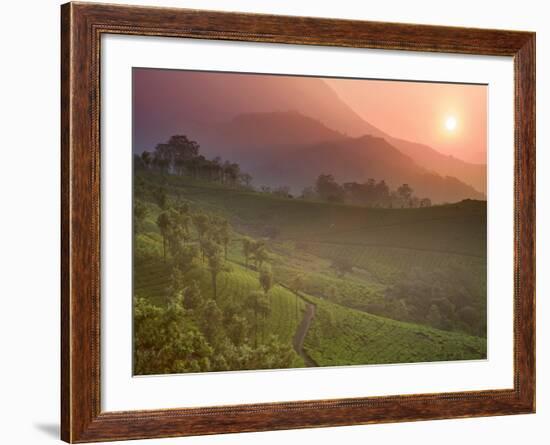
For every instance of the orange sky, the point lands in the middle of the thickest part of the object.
(418, 112)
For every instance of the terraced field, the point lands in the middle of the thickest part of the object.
(367, 339)
(153, 281)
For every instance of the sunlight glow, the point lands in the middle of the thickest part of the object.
(450, 123)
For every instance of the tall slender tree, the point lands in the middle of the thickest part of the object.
(163, 223)
(215, 266)
(253, 301)
(266, 278)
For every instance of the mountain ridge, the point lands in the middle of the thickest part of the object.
(297, 161)
(214, 97)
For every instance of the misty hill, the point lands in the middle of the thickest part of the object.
(214, 98)
(261, 137)
(205, 97)
(446, 165)
(288, 148)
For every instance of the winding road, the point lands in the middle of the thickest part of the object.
(301, 333)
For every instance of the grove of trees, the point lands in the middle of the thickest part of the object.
(181, 156)
(193, 331)
(370, 193)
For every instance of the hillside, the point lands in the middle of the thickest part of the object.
(457, 227)
(384, 308)
(472, 174)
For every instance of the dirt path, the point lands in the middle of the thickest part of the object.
(301, 332)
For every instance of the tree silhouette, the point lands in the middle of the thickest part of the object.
(202, 224)
(185, 258)
(192, 297)
(146, 158)
(163, 223)
(160, 197)
(237, 329)
(253, 301)
(215, 266)
(264, 309)
(211, 321)
(425, 202)
(164, 342)
(328, 189)
(259, 252)
(266, 278)
(247, 249)
(140, 213)
(246, 179)
(223, 234)
(405, 193)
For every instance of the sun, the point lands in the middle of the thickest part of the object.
(450, 123)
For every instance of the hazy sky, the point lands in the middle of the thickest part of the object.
(450, 118)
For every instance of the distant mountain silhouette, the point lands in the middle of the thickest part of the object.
(247, 118)
(473, 174)
(204, 97)
(262, 131)
(288, 148)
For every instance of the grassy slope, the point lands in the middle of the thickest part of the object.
(332, 230)
(367, 339)
(452, 228)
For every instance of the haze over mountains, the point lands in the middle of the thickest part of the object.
(287, 130)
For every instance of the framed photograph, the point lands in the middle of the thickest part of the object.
(275, 222)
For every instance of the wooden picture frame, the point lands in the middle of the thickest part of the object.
(82, 26)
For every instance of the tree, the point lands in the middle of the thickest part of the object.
(163, 223)
(162, 158)
(264, 309)
(231, 173)
(247, 249)
(184, 258)
(253, 301)
(328, 189)
(140, 213)
(259, 252)
(266, 278)
(202, 224)
(175, 236)
(405, 192)
(165, 341)
(146, 158)
(237, 329)
(425, 202)
(211, 321)
(174, 155)
(246, 179)
(160, 197)
(192, 297)
(215, 265)
(223, 233)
